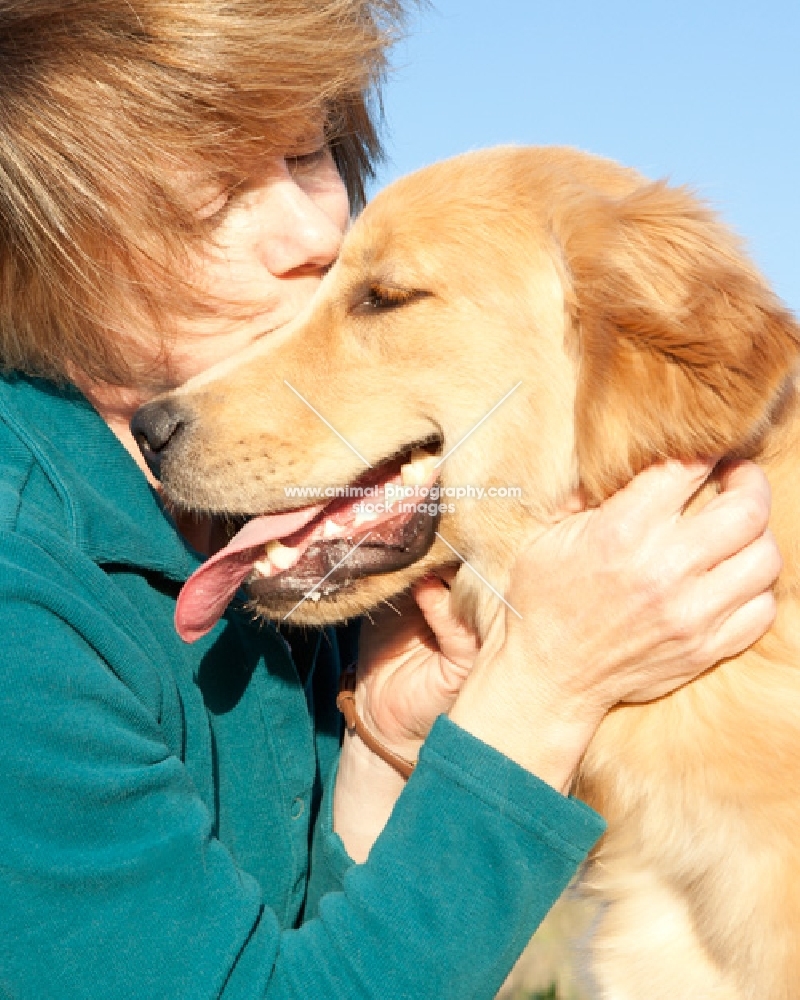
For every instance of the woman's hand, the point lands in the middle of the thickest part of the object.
(413, 658)
(622, 603)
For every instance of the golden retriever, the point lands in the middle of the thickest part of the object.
(616, 322)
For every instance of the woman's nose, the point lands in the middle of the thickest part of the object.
(299, 236)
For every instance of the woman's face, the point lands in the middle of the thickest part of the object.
(274, 239)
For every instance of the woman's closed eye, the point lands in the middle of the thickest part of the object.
(314, 157)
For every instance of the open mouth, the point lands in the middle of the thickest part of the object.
(317, 550)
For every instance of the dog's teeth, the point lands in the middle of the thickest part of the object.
(420, 456)
(364, 517)
(315, 596)
(330, 529)
(263, 568)
(281, 556)
(418, 471)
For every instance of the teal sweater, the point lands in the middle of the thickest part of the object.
(165, 810)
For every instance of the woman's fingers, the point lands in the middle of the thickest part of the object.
(642, 524)
(659, 492)
(733, 519)
(728, 609)
(736, 604)
(741, 577)
(746, 625)
(685, 546)
(433, 599)
(456, 641)
(741, 474)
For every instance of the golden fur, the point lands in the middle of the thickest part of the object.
(638, 330)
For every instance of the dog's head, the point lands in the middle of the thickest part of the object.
(529, 323)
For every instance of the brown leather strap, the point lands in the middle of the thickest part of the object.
(346, 703)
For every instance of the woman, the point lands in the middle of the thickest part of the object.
(181, 821)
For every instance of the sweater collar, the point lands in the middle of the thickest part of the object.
(111, 511)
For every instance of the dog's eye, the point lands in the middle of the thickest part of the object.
(381, 298)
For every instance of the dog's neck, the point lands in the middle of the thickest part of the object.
(777, 451)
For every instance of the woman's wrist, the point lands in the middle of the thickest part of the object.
(402, 759)
(527, 718)
(373, 769)
(367, 788)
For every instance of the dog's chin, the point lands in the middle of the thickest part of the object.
(350, 600)
(335, 581)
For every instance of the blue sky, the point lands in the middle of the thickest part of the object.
(704, 92)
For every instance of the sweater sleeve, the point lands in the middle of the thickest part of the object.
(476, 852)
(114, 884)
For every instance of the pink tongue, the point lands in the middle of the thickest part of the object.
(208, 591)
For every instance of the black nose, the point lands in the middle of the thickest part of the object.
(155, 426)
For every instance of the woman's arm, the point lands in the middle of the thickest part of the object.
(413, 657)
(114, 880)
(116, 883)
(643, 601)
(624, 602)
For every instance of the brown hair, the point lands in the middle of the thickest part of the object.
(101, 101)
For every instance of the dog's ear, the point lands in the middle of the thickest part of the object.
(682, 349)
